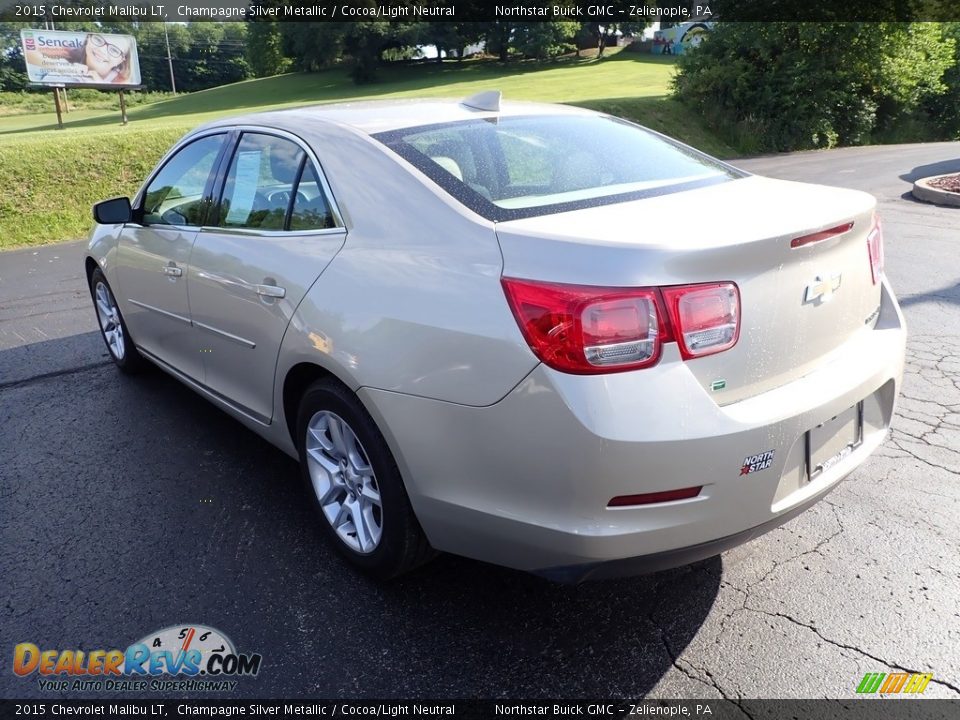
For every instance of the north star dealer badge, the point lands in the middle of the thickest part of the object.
(753, 463)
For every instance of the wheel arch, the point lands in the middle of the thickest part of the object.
(89, 265)
(295, 383)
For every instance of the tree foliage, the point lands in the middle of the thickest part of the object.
(787, 86)
(265, 49)
(542, 40)
(944, 107)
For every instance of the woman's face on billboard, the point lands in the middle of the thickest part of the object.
(103, 56)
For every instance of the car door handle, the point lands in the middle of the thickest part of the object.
(270, 291)
(172, 271)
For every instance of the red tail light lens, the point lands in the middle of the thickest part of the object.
(875, 251)
(705, 318)
(587, 330)
(820, 236)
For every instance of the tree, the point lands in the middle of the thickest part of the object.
(944, 108)
(600, 35)
(265, 49)
(12, 74)
(449, 37)
(542, 40)
(497, 36)
(318, 45)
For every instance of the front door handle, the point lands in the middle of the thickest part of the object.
(172, 271)
(271, 291)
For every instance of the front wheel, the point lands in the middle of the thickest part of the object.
(355, 484)
(113, 329)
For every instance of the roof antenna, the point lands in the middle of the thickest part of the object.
(488, 100)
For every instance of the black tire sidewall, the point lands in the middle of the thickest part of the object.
(390, 558)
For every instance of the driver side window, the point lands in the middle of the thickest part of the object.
(175, 195)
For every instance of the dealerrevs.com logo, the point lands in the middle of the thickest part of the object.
(177, 658)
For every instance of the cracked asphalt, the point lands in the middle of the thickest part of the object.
(130, 504)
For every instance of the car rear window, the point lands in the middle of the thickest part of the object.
(522, 166)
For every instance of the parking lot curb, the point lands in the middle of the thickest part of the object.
(923, 191)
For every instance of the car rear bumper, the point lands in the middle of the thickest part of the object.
(526, 482)
(655, 562)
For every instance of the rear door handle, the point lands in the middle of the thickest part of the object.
(173, 271)
(271, 291)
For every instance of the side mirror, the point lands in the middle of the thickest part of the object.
(114, 211)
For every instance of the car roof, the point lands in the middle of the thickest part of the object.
(375, 116)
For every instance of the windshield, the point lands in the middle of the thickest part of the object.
(522, 166)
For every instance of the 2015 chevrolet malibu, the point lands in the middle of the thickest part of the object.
(533, 335)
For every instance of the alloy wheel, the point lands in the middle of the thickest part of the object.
(109, 315)
(344, 482)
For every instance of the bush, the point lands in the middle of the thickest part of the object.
(791, 86)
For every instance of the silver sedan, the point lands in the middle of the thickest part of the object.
(528, 334)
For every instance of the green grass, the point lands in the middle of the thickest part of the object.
(51, 177)
(49, 188)
(78, 99)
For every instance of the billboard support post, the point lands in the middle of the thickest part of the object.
(56, 102)
(123, 107)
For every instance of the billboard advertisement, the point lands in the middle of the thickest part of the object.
(56, 57)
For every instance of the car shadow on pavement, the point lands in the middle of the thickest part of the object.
(941, 167)
(950, 294)
(196, 519)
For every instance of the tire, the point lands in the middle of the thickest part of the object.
(352, 477)
(113, 328)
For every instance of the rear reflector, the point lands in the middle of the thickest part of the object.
(875, 251)
(822, 235)
(655, 497)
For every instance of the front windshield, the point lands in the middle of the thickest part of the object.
(520, 166)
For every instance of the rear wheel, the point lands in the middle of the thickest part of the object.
(355, 483)
(113, 329)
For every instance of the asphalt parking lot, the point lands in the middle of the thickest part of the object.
(130, 504)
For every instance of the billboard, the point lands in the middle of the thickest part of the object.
(56, 57)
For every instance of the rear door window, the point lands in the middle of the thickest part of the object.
(311, 211)
(260, 183)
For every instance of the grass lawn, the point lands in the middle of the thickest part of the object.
(52, 176)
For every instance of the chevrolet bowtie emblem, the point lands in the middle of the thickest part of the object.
(822, 289)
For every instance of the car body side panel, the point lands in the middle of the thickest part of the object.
(156, 305)
(413, 301)
(239, 329)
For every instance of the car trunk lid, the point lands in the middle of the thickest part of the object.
(798, 304)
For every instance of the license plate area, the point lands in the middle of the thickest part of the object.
(832, 441)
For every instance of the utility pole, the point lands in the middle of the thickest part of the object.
(166, 37)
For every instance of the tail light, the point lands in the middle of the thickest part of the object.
(588, 330)
(875, 251)
(707, 317)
